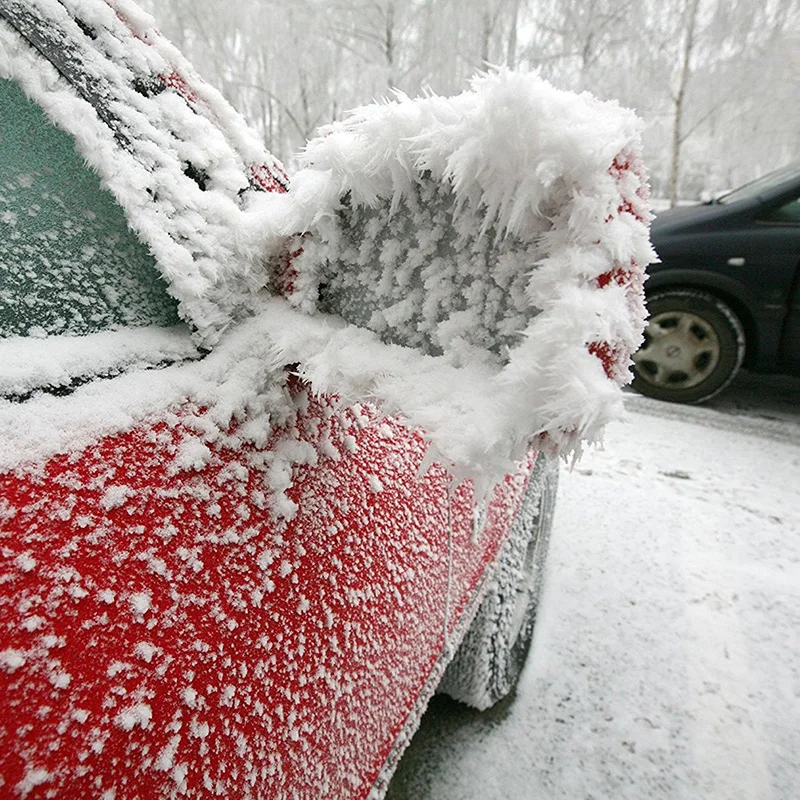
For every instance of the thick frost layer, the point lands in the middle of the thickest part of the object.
(503, 233)
(239, 380)
(31, 363)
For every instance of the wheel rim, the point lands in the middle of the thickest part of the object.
(680, 350)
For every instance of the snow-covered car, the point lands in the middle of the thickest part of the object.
(726, 292)
(275, 465)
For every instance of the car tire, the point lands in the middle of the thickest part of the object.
(493, 652)
(694, 346)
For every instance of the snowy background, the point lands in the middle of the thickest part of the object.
(714, 80)
(666, 661)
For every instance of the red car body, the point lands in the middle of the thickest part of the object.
(161, 636)
(252, 597)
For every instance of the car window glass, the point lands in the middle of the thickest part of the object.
(760, 185)
(787, 213)
(390, 276)
(68, 261)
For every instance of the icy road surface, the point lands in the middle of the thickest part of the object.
(666, 661)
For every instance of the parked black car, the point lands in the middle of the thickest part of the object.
(726, 293)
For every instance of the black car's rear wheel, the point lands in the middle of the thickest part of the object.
(694, 345)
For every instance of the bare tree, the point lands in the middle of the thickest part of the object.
(689, 16)
(716, 82)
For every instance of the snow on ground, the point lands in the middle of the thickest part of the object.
(666, 661)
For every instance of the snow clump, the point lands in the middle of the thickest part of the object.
(473, 263)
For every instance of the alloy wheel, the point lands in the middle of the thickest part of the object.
(681, 349)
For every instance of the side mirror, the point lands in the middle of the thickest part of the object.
(478, 262)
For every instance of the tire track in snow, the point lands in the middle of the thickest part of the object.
(762, 427)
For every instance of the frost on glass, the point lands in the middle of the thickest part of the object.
(427, 279)
(177, 158)
(68, 261)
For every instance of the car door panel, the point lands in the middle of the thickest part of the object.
(770, 255)
(162, 630)
(782, 223)
(479, 531)
(790, 341)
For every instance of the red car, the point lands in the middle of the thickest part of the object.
(253, 441)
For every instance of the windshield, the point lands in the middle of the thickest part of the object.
(762, 184)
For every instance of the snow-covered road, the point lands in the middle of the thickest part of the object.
(666, 661)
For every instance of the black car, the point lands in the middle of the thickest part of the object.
(726, 293)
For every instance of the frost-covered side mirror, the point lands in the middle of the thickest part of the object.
(479, 261)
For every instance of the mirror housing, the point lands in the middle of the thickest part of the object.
(474, 264)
